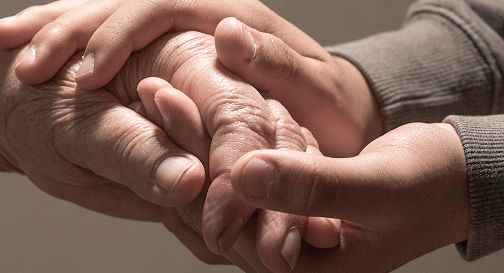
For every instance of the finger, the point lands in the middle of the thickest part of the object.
(279, 238)
(138, 107)
(20, 29)
(126, 30)
(190, 238)
(57, 41)
(312, 145)
(279, 234)
(322, 232)
(193, 241)
(289, 135)
(147, 89)
(98, 198)
(116, 143)
(182, 122)
(263, 60)
(130, 29)
(309, 184)
(279, 72)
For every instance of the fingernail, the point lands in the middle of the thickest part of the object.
(229, 236)
(29, 55)
(257, 179)
(171, 171)
(87, 65)
(291, 247)
(249, 44)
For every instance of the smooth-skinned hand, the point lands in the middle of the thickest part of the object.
(403, 196)
(110, 30)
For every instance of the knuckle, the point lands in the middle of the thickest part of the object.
(231, 114)
(315, 181)
(57, 34)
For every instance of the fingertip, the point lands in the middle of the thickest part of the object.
(93, 75)
(234, 42)
(190, 185)
(152, 84)
(181, 177)
(322, 232)
(253, 175)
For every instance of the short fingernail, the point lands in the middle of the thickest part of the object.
(29, 55)
(291, 247)
(171, 171)
(257, 179)
(249, 44)
(87, 65)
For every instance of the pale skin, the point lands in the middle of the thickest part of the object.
(448, 201)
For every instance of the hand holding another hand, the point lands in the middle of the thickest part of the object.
(403, 196)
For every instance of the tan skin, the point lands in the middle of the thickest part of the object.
(100, 143)
(359, 232)
(337, 86)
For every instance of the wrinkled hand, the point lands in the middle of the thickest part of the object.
(237, 120)
(92, 127)
(282, 62)
(403, 196)
(329, 95)
(90, 149)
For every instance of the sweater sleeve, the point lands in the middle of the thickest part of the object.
(447, 60)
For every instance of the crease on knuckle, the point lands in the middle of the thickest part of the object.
(245, 116)
(128, 146)
(289, 136)
(315, 180)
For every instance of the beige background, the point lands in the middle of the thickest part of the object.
(41, 234)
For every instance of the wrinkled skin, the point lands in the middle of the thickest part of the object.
(56, 123)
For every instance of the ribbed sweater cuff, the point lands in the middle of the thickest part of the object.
(436, 65)
(483, 142)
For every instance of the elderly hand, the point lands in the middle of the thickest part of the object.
(92, 126)
(90, 149)
(403, 196)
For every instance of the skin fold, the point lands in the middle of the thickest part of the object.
(402, 196)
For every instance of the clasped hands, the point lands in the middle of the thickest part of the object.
(200, 128)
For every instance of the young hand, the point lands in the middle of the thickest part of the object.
(403, 196)
(110, 30)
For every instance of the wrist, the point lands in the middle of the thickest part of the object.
(460, 216)
(367, 114)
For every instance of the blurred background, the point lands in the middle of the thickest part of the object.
(41, 234)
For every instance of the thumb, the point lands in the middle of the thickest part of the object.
(264, 60)
(308, 184)
(118, 144)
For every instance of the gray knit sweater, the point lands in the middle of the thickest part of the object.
(446, 64)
